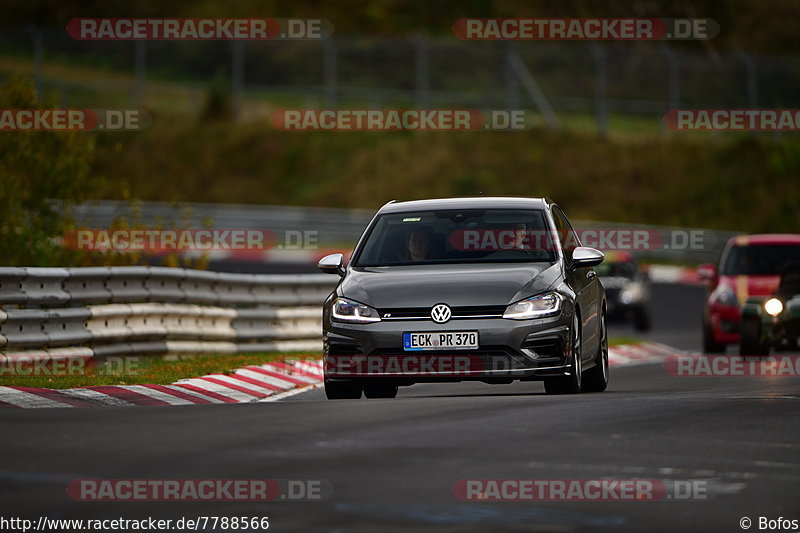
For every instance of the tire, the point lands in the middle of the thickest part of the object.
(342, 390)
(596, 378)
(380, 390)
(750, 338)
(569, 384)
(641, 319)
(709, 345)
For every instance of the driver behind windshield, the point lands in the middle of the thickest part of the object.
(418, 244)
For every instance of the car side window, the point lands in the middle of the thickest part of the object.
(566, 235)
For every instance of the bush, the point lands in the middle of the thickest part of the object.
(42, 176)
(35, 168)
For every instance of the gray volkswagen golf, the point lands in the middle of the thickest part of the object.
(456, 289)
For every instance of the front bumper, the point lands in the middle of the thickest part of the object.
(783, 333)
(617, 309)
(508, 350)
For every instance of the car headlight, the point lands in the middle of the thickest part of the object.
(724, 295)
(346, 310)
(773, 307)
(548, 304)
(632, 293)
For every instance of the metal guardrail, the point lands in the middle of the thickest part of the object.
(336, 226)
(332, 225)
(672, 241)
(97, 312)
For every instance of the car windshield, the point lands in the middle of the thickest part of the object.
(622, 269)
(458, 236)
(761, 259)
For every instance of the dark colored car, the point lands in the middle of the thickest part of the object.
(627, 289)
(750, 267)
(773, 323)
(486, 289)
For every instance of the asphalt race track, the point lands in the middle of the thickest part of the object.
(393, 463)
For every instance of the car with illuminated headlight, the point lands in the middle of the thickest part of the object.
(627, 288)
(773, 323)
(459, 289)
(749, 268)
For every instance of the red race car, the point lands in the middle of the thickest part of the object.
(750, 267)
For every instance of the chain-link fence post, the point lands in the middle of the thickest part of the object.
(329, 74)
(600, 88)
(140, 71)
(237, 77)
(510, 77)
(38, 51)
(422, 71)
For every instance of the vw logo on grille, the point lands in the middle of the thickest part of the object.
(440, 313)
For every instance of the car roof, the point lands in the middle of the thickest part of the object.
(765, 238)
(476, 202)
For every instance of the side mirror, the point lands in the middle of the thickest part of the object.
(707, 272)
(586, 257)
(332, 264)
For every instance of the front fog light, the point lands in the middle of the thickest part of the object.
(724, 295)
(773, 307)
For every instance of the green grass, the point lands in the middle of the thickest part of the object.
(143, 370)
(732, 183)
(640, 173)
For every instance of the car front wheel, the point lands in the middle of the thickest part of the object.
(596, 378)
(641, 318)
(751, 340)
(380, 390)
(342, 390)
(709, 344)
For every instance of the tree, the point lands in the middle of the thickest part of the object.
(43, 174)
(35, 169)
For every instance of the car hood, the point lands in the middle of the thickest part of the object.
(455, 285)
(751, 286)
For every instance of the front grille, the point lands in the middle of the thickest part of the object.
(424, 313)
(338, 348)
(547, 347)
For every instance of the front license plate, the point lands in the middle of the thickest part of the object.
(440, 340)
